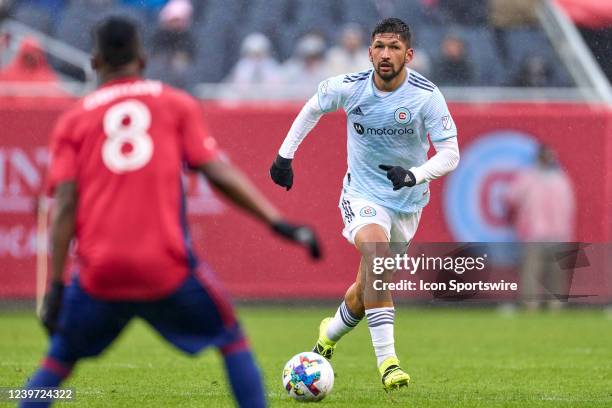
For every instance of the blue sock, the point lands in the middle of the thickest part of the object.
(244, 375)
(50, 374)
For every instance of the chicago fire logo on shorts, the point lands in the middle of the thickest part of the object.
(367, 211)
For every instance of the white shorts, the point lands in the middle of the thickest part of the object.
(357, 212)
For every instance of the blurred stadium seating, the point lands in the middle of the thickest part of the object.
(218, 27)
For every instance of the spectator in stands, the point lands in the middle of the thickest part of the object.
(256, 64)
(452, 67)
(535, 71)
(5, 8)
(307, 66)
(351, 55)
(541, 207)
(30, 65)
(507, 15)
(174, 32)
(173, 46)
(464, 12)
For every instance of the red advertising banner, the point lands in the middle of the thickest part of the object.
(495, 141)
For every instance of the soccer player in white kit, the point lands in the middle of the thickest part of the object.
(391, 111)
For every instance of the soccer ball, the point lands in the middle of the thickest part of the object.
(308, 377)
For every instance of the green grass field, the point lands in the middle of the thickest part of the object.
(456, 357)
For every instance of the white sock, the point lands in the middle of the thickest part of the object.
(380, 323)
(343, 322)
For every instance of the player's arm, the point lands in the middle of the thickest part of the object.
(443, 135)
(329, 97)
(62, 232)
(200, 153)
(61, 183)
(443, 162)
(234, 185)
(62, 228)
(281, 171)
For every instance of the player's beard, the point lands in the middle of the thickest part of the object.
(391, 74)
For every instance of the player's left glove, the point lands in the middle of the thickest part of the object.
(52, 303)
(300, 234)
(399, 176)
(281, 172)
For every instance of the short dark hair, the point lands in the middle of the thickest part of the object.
(393, 26)
(117, 40)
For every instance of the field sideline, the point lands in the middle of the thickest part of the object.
(456, 357)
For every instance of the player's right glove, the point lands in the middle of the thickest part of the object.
(300, 234)
(399, 176)
(281, 172)
(50, 310)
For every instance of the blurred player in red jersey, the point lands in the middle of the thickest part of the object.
(117, 161)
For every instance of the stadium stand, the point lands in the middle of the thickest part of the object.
(492, 41)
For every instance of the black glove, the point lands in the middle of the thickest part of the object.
(51, 307)
(281, 172)
(300, 234)
(398, 176)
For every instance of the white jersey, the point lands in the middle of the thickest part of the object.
(390, 128)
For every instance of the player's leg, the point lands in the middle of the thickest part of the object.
(356, 214)
(199, 315)
(86, 327)
(555, 277)
(244, 377)
(373, 242)
(354, 295)
(51, 373)
(379, 306)
(347, 317)
(532, 273)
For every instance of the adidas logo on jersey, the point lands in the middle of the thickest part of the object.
(357, 111)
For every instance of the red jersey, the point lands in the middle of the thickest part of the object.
(125, 146)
